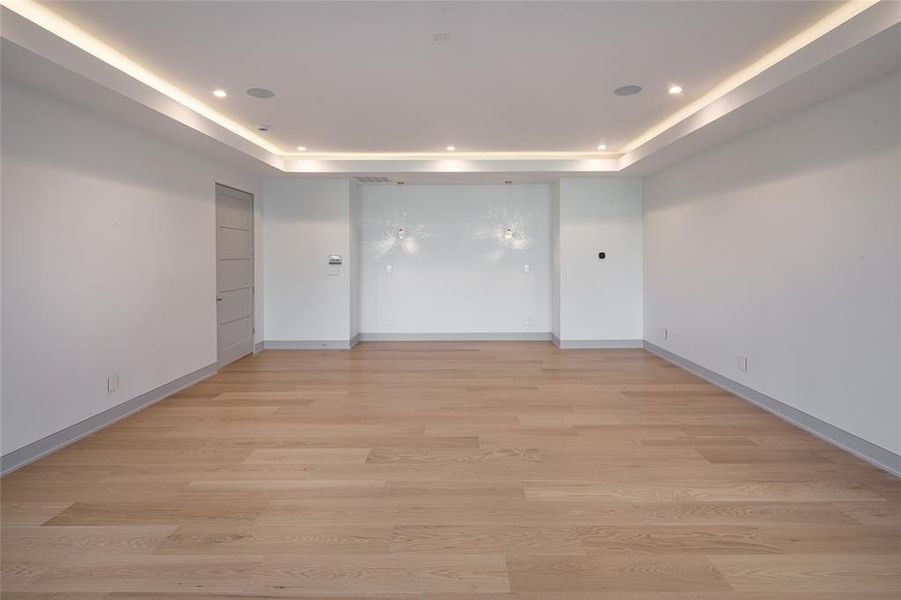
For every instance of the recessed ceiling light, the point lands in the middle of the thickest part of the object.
(627, 90)
(675, 89)
(602, 146)
(260, 93)
(220, 93)
(451, 148)
(302, 148)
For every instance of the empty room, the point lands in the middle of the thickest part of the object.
(435, 300)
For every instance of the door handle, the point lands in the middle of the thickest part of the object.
(218, 298)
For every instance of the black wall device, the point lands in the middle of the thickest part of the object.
(602, 255)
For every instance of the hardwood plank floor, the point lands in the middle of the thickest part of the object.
(451, 471)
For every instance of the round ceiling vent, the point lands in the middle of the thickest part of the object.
(260, 93)
(627, 90)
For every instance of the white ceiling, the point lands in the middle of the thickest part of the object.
(512, 76)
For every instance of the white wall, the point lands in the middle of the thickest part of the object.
(455, 271)
(304, 221)
(600, 299)
(108, 262)
(784, 246)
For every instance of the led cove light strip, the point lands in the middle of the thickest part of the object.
(456, 156)
(842, 14)
(55, 24)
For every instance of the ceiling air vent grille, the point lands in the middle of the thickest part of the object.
(373, 180)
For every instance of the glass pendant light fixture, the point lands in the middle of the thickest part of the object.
(508, 232)
(402, 230)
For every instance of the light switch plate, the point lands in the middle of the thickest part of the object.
(527, 268)
(389, 269)
(743, 363)
(112, 383)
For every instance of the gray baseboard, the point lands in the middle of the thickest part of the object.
(859, 447)
(455, 337)
(257, 347)
(587, 344)
(354, 340)
(306, 345)
(16, 459)
(555, 340)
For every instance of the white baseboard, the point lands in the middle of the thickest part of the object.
(16, 459)
(859, 447)
(456, 337)
(542, 336)
(306, 345)
(589, 344)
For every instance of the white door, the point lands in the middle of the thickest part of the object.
(234, 273)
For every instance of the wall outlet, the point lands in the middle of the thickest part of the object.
(112, 383)
(389, 269)
(665, 333)
(743, 363)
(389, 320)
(527, 268)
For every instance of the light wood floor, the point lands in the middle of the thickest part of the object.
(445, 471)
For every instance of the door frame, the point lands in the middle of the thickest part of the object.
(253, 288)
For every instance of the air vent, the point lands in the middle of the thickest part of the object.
(373, 180)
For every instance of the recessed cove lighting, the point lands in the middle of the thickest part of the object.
(260, 93)
(675, 89)
(301, 148)
(602, 146)
(220, 93)
(451, 148)
(627, 90)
